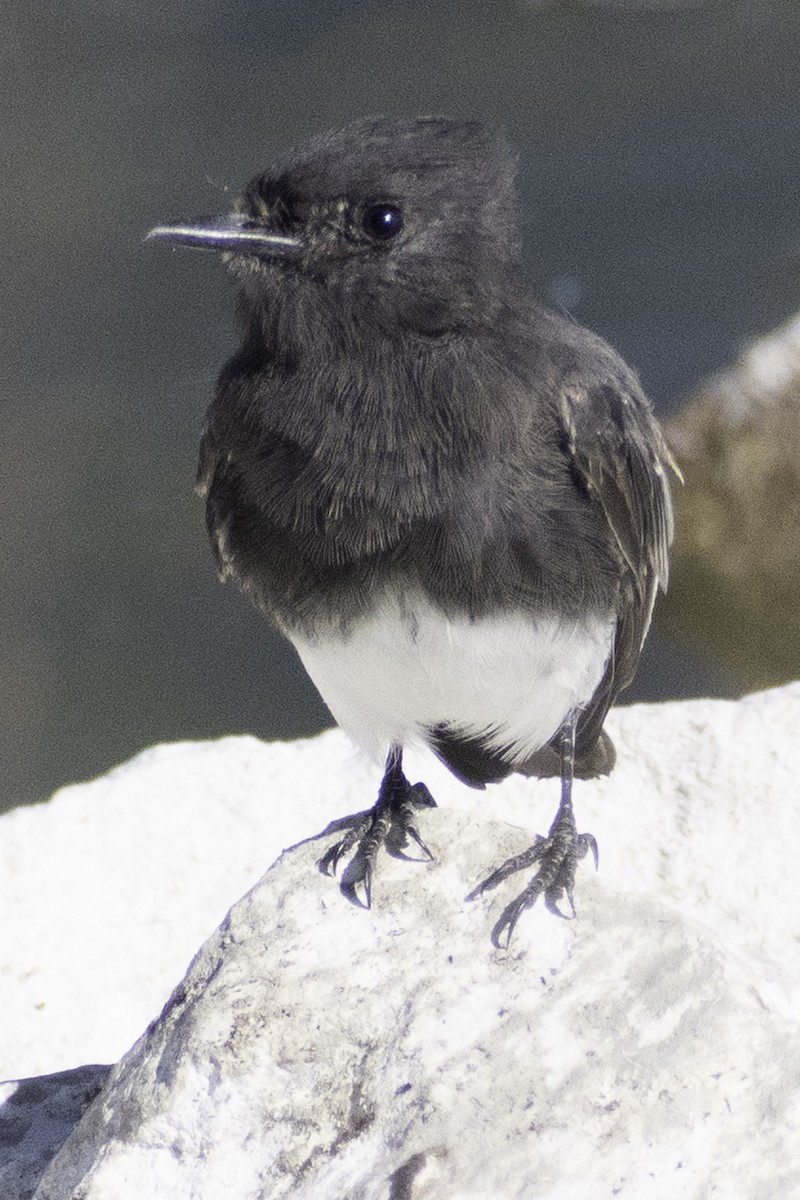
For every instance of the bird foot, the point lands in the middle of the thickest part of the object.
(389, 824)
(558, 855)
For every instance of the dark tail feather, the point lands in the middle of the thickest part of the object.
(598, 759)
(474, 764)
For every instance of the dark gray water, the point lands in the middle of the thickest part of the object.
(659, 153)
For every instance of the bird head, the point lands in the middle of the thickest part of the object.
(407, 222)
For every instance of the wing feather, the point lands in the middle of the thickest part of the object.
(619, 456)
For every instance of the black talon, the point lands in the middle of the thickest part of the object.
(558, 855)
(388, 824)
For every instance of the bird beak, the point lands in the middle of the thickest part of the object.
(234, 234)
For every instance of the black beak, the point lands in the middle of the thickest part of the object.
(233, 234)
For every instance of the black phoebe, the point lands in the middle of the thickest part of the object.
(452, 501)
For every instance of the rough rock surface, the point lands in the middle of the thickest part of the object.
(650, 1048)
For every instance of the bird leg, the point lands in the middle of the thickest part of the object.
(389, 823)
(557, 855)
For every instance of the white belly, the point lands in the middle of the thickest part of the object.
(511, 679)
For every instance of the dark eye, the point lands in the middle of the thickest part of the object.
(382, 221)
(298, 209)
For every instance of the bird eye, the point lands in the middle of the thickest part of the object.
(298, 209)
(382, 221)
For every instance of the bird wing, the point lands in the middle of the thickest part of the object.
(620, 461)
(620, 458)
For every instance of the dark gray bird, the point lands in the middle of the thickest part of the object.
(453, 502)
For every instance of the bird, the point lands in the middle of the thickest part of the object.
(453, 500)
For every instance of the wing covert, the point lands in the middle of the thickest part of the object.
(620, 458)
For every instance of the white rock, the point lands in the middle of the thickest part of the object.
(108, 889)
(650, 1048)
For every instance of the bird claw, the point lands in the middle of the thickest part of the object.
(553, 898)
(356, 825)
(389, 824)
(356, 876)
(557, 856)
(585, 843)
(510, 867)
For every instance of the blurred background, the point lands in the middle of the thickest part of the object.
(659, 173)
